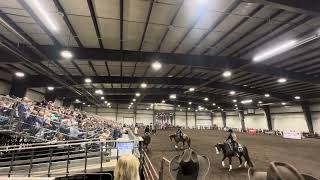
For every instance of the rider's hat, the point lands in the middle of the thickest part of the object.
(230, 130)
(189, 166)
(278, 171)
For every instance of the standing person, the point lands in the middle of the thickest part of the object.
(179, 132)
(147, 129)
(136, 130)
(127, 168)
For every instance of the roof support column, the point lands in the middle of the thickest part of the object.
(267, 113)
(18, 89)
(241, 117)
(224, 118)
(307, 114)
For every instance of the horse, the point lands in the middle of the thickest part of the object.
(146, 140)
(227, 152)
(183, 139)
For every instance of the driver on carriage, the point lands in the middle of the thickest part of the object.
(179, 132)
(233, 139)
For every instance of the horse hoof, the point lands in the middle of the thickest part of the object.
(223, 165)
(176, 147)
(230, 167)
(245, 164)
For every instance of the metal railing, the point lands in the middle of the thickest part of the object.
(72, 157)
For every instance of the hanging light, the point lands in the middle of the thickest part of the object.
(138, 94)
(206, 99)
(191, 89)
(297, 97)
(143, 85)
(226, 73)
(190, 103)
(232, 92)
(282, 80)
(173, 96)
(50, 88)
(19, 74)
(87, 80)
(267, 95)
(156, 65)
(66, 54)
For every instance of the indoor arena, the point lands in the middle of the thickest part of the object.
(159, 89)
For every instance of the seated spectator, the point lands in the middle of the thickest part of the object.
(189, 166)
(127, 168)
(278, 171)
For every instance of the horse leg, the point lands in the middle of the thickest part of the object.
(230, 163)
(182, 145)
(176, 146)
(240, 159)
(222, 161)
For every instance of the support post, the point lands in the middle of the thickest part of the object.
(195, 119)
(224, 118)
(241, 117)
(18, 89)
(117, 112)
(153, 115)
(211, 115)
(186, 118)
(267, 113)
(307, 114)
(135, 114)
(174, 114)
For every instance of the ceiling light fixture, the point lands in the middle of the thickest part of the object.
(234, 100)
(297, 97)
(275, 51)
(283, 103)
(105, 102)
(84, 103)
(173, 96)
(191, 89)
(267, 95)
(134, 100)
(232, 92)
(189, 108)
(143, 85)
(138, 94)
(190, 103)
(226, 74)
(19, 74)
(50, 88)
(206, 99)
(156, 65)
(87, 80)
(282, 80)
(213, 104)
(163, 101)
(246, 101)
(260, 102)
(66, 54)
(44, 14)
(102, 98)
(98, 91)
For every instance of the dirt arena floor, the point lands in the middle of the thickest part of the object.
(303, 154)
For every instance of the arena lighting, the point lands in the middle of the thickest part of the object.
(226, 74)
(275, 51)
(138, 94)
(297, 97)
(43, 14)
(267, 95)
(19, 74)
(108, 104)
(234, 100)
(260, 102)
(173, 96)
(105, 102)
(189, 108)
(246, 101)
(134, 100)
(102, 98)
(283, 103)
(218, 107)
(232, 92)
(178, 105)
(191, 89)
(163, 101)
(180, 109)
(87, 80)
(235, 105)
(89, 105)
(282, 80)
(131, 103)
(213, 104)
(66, 54)
(98, 91)
(147, 108)
(143, 85)
(50, 88)
(83, 103)
(190, 103)
(156, 65)
(206, 99)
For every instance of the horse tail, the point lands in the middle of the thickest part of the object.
(247, 157)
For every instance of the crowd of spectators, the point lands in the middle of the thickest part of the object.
(44, 120)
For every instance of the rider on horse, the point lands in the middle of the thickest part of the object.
(147, 130)
(233, 139)
(179, 133)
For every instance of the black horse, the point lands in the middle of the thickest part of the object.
(146, 140)
(228, 152)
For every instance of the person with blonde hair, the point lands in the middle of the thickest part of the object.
(127, 168)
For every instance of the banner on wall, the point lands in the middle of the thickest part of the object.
(291, 134)
(252, 130)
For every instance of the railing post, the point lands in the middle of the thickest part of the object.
(30, 167)
(11, 163)
(67, 170)
(85, 158)
(50, 163)
(161, 169)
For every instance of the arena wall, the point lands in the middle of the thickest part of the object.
(283, 118)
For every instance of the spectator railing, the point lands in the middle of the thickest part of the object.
(148, 169)
(61, 159)
(164, 161)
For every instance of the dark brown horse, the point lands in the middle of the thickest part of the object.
(227, 152)
(184, 139)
